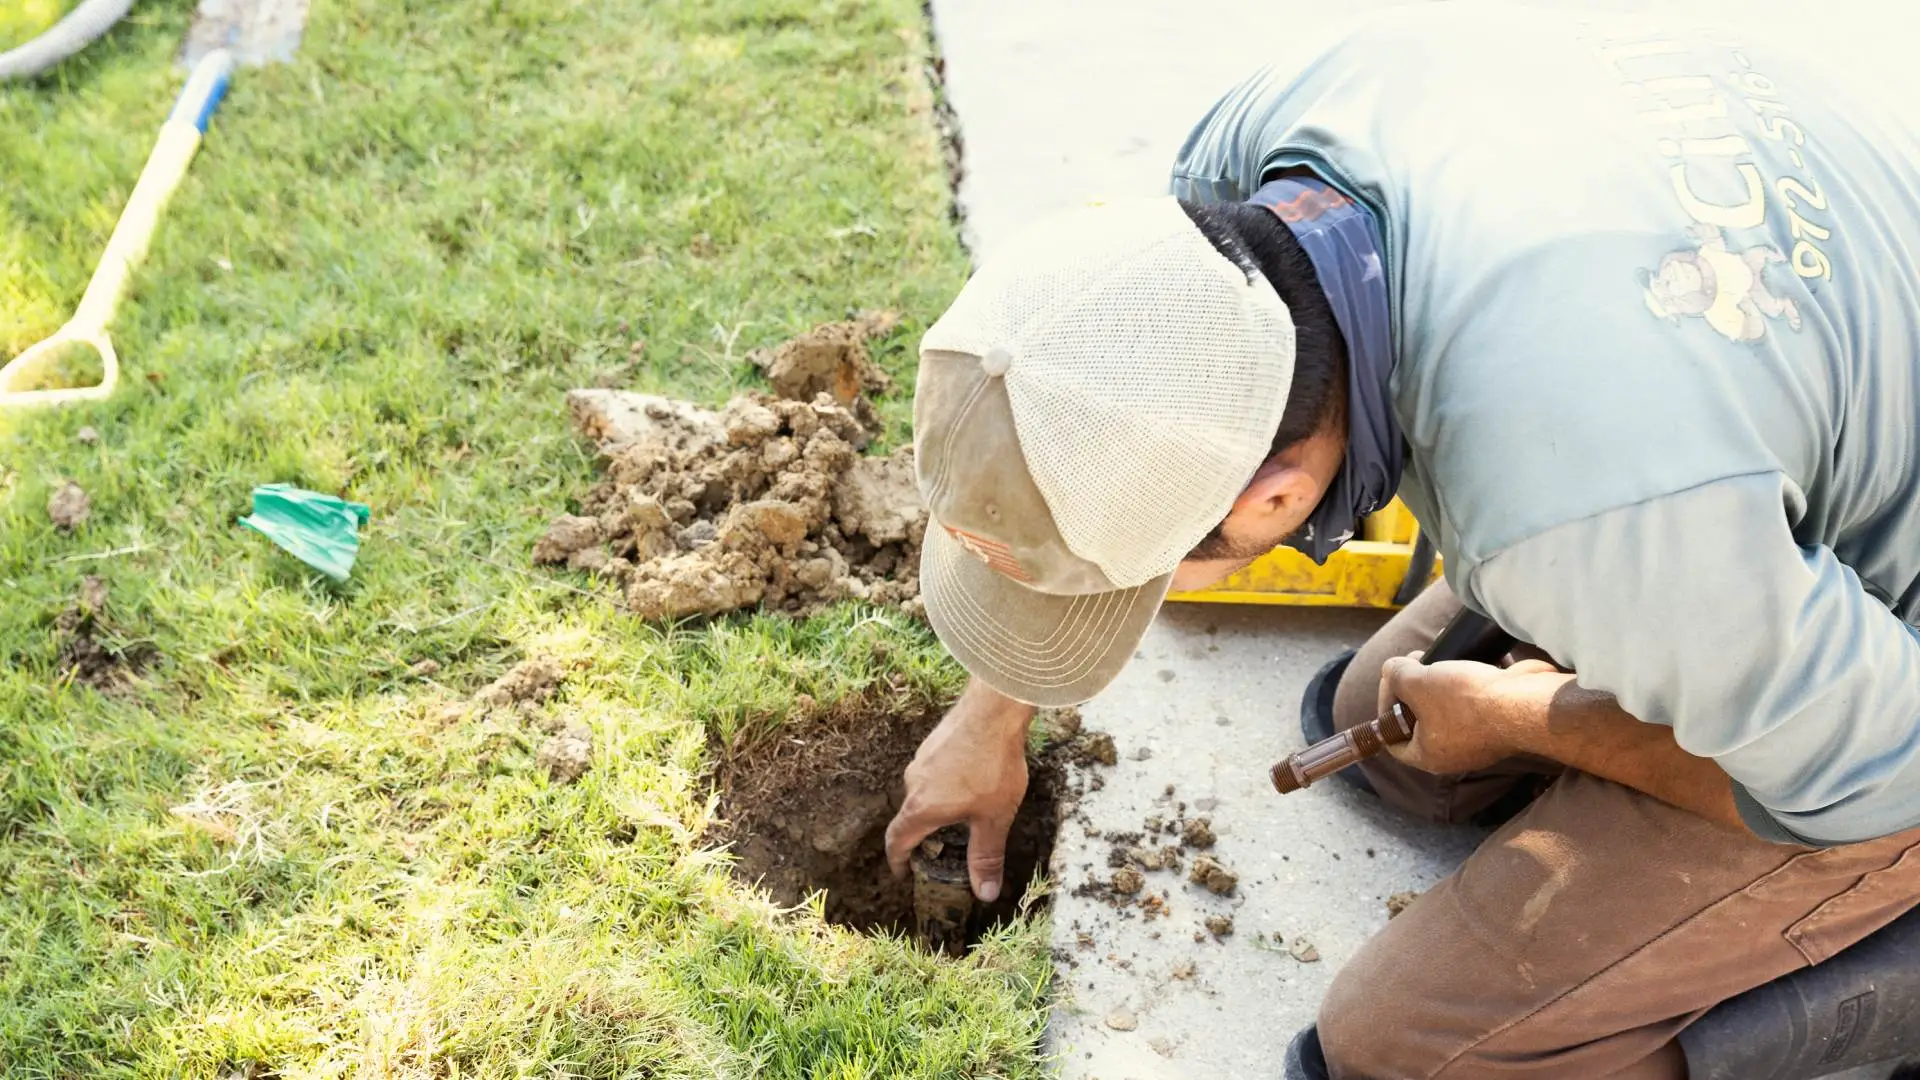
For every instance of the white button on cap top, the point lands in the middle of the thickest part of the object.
(997, 361)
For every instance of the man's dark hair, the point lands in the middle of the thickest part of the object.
(1260, 243)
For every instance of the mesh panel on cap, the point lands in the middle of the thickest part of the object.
(1148, 375)
(1049, 260)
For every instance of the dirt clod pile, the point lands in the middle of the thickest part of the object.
(533, 680)
(1197, 832)
(567, 754)
(1209, 871)
(68, 507)
(831, 359)
(768, 502)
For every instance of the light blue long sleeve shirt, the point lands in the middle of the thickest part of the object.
(1656, 305)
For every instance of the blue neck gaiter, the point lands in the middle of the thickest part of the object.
(1340, 238)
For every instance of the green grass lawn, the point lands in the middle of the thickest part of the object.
(274, 853)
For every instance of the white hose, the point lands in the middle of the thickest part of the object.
(79, 29)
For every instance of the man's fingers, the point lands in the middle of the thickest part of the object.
(1407, 753)
(987, 856)
(1390, 675)
(1394, 676)
(1534, 667)
(904, 833)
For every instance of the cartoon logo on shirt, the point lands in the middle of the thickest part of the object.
(1726, 288)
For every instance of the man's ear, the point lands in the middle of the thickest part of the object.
(1279, 495)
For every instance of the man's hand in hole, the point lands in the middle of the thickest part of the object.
(971, 769)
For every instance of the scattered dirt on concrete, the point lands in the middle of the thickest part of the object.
(1122, 1020)
(1210, 873)
(806, 810)
(69, 506)
(1197, 833)
(567, 754)
(1220, 925)
(93, 651)
(1400, 902)
(1164, 857)
(1134, 854)
(830, 359)
(1095, 748)
(1303, 950)
(767, 503)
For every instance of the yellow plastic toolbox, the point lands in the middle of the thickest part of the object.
(1369, 571)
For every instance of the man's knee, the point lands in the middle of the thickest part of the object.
(1401, 1009)
(1357, 1019)
(1372, 1028)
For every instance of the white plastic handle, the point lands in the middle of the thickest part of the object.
(166, 167)
(27, 368)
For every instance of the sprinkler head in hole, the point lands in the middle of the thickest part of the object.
(942, 893)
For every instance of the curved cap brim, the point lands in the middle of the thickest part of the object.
(1031, 646)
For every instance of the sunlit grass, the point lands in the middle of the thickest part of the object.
(289, 849)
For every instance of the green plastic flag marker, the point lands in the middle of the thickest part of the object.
(317, 529)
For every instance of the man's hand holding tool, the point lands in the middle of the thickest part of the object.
(1469, 638)
(1470, 715)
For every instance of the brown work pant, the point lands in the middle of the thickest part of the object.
(1588, 930)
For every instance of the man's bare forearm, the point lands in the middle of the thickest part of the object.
(988, 710)
(1589, 731)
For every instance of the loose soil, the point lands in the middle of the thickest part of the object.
(831, 359)
(807, 808)
(567, 754)
(1209, 872)
(1162, 844)
(92, 650)
(532, 681)
(767, 503)
(68, 507)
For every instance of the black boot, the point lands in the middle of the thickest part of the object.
(1304, 1059)
(1860, 1008)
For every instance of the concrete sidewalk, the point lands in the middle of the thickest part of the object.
(1212, 700)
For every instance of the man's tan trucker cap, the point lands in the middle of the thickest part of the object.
(1086, 412)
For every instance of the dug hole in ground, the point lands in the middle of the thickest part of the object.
(772, 502)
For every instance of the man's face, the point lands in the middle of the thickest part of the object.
(1250, 531)
(1275, 504)
(1238, 541)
